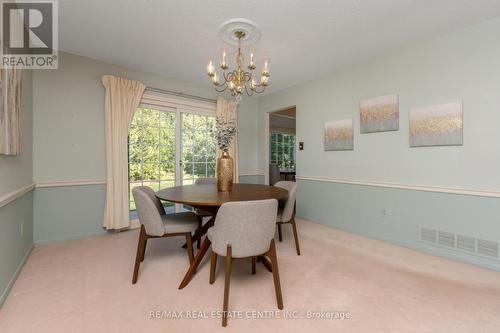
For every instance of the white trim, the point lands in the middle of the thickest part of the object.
(275, 114)
(9, 197)
(451, 190)
(243, 174)
(267, 125)
(158, 99)
(66, 183)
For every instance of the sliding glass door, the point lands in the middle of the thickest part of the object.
(170, 147)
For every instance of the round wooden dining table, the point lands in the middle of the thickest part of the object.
(207, 198)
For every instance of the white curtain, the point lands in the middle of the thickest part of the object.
(122, 99)
(228, 111)
(10, 111)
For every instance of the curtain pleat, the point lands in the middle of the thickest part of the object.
(10, 111)
(122, 99)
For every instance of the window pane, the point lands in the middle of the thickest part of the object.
(155, 185)
(135, 172)
(167, 119)
(150, 136)
(167, 171)
(167, 183)
(200, 170)
(167, 153)
(135, 135)
(134, 154)
(137, 120)
(211, 170)
(167, 136)
(151, 154)
(150, 117)
(150, 171)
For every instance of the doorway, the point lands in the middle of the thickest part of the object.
(280, 145)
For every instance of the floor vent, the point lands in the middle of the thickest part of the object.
(467, 244)
(487, 248)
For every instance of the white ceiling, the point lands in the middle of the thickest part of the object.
(303, 39)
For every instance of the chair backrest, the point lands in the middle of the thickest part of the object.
(274, 174)
(203, 181)
(150, 210)
(248, 226)
(291, 187)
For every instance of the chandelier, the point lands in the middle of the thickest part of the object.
(238, 80)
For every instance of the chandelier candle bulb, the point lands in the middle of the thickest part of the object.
(215, 79)
(265, 71)
(210, 69)
(223, 63)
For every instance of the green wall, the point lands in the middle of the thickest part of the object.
(16, 218)
(70, 142)
(460, 66)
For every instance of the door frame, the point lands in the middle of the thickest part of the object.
(267, 125)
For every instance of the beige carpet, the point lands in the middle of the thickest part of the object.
(85, 286)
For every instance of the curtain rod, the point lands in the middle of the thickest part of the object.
(180, 94)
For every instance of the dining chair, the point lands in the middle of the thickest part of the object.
(286, 214)
(244, 229)
(199, 212)
(274, 174)
(155, 223)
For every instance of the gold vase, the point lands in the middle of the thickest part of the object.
(224, 172)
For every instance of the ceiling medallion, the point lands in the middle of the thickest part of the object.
(239, 32)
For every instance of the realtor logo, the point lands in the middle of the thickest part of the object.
(29, 34)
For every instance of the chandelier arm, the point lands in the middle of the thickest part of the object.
(223, 83)
(248, 76)
(260, 91)
(249, 93)
(222, 90)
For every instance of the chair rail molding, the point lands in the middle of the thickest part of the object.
(254, 173)
(424, 188)
(66, 183)
(9, 197)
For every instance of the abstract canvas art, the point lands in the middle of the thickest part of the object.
(437, 125)
(380, 114)
(339, 135)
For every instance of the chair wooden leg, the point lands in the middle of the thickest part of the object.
(213, 267)
(280, 236)
(200, 224)
(254, 264)
(276, 275)
(226, 285)
(295, 235)
(189, 245)
(197, 260)
(141, 244)
(144, 249)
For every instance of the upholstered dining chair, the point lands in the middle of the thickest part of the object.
(286, 214)
(274, 174)
(244, 229)
(199, 212)
(155, 224)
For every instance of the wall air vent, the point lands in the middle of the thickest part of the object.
(487, 248)
(461, 243)
(466, 243)
(446, 239)
(428, 235)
